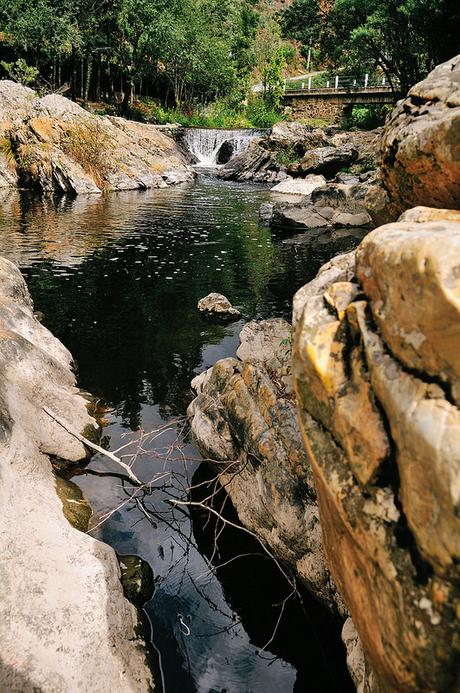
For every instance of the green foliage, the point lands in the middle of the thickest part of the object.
(287, 155)
(20, 71)
(404, 38)
(261, 114)
(366, 117)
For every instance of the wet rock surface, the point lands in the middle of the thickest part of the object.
(137, 580)
(52, 144)
(61, 589)
(381, 436)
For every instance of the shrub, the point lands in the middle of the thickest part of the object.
(6, 148)
(287, 155)
(261, 115)
(21, 72)
(89, 145)
(366, 117)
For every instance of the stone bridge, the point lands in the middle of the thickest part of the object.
(332, 103)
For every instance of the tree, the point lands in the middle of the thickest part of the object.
(404, 38)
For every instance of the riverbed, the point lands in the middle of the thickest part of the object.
(117, 278)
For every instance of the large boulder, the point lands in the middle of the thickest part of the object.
(52, 144)
(324, 160)
(296, 135)
(299, 186)
(421, 145)
(257, 162)
(374, 374)
(244, 416)
(331, 206)
(64, 622)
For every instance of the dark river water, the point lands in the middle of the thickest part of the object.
(118, 278)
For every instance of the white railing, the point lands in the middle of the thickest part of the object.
(340, 83)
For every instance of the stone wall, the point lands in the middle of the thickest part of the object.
(326, 108)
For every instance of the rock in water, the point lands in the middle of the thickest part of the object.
(137, 579)
(331, 206)
(218, 305)
(421, 145)
(244, 415)
(324, 160)
(300, 186)
(64, 622)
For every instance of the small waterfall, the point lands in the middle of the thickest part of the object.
(214, 147)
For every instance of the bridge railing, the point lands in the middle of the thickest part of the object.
(322, 83)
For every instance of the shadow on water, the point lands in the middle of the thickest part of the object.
(298, 629)
(118, 278)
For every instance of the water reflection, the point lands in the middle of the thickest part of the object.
(118, 278)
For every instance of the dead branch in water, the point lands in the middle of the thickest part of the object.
(93, 446)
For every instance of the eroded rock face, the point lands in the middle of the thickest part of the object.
(52, 144)
(61, 593)
(383, 439)
(421, 144)
(411, 273)
(244, 415)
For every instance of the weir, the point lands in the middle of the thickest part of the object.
(212, 147)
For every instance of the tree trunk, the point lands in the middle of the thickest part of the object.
(73, 74)
(89, 64)
(98, 78)
(128, 94)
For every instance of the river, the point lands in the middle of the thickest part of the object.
(117, 278)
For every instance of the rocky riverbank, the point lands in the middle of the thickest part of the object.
(51, 144)
(366, 510)
(64, 622)
(293, 150)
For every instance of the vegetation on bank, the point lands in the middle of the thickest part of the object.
(196, 62)
(404, 39)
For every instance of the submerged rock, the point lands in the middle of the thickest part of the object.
(219, 306)
(75, 507)
(61, 590)
(137, 580)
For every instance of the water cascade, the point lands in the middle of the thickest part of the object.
(214, 147)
